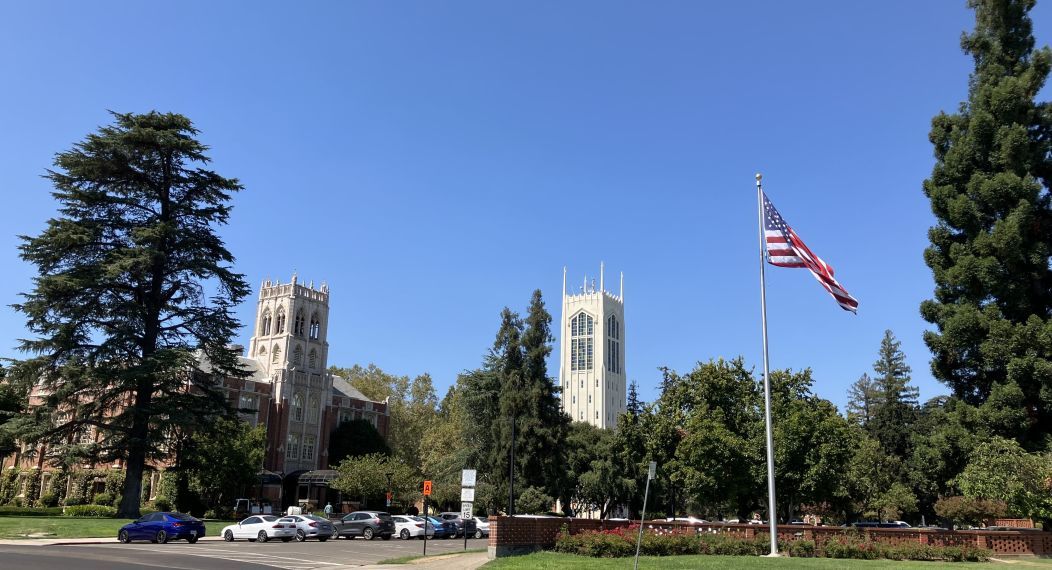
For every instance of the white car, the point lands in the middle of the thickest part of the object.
(481, 527)
(407, 527)
(691, 520)
(261, 528)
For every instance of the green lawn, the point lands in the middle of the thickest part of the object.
(552, 560)
(59, 527)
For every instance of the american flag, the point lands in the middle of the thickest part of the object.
(786, 249)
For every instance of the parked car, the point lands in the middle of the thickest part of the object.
(878, 524)
(443, 528)
(461, 524)
(407, 526)
(366, 524)
(261, 528)
(481, 527)
(162, 527)
(691, 520)
(313, 526)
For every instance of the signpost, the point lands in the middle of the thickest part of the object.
(651, 471)
(427, 493)
(467, 497)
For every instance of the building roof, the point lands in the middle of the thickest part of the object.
(250, 365)
(344, 388)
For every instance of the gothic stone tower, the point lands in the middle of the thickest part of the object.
(290, 347)
(592, 353)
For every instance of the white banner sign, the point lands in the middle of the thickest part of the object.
(467, 478)
(467, 495)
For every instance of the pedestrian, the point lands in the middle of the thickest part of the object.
(328, 510)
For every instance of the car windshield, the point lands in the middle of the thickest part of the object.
(269, 518)
(317, 518)
(483, 519)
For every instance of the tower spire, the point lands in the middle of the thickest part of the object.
(601, 273)
(622, 294)
(564, 281)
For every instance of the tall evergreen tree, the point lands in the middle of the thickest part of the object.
(896, 409)
(511, 402)
(133, 281)
(990, 248)
(633, 406)
(862, 400)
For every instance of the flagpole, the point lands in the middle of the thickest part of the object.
(772, 511)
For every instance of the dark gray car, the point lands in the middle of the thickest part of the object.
(366, 524)
(461, 523)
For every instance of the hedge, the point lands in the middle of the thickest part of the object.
(621, 542)
(93, 511)
(11, 511)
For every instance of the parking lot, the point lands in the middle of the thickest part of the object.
(215, 553)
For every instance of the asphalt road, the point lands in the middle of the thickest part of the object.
(219, 555)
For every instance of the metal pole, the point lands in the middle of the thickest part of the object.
(511, 473)
(642, 517)
(772, 512)
(425, 525)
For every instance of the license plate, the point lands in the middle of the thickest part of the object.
(193, 533)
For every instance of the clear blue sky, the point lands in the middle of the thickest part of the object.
(436, 161)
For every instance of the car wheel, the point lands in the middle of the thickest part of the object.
(385, 536)
(262, 536)
(367, 534)
(192, 540)
(322, 538)
(478, 533)
(123, 537)
(300, 536)
(228, 536)
(404, 535)
(286, 539)
(162, 537)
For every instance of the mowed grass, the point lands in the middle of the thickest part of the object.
(59, 527)
(552, 560)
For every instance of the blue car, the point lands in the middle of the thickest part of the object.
(443, 529)
(162, 527)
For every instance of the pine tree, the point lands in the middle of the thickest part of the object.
(862, 400)
(990, 248)
(133, 281)
(633, 406)
(506, 361)
(896, 400)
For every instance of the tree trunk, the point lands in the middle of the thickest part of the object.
(132, 496)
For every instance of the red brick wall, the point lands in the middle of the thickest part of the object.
(521, 534)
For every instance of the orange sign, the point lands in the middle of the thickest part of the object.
(427, 488)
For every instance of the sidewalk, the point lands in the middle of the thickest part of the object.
(469, 561)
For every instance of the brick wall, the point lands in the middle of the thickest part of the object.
(523, 534)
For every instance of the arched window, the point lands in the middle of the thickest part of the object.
(264, 323)
(582, 329)
(312, 409)
(262, 354)
(315, 326)
(280, 328)
(275, 355)
(297, 356)
(297, 407)
(613, 345)
(292, 447)
(312, 360)
(297, 327)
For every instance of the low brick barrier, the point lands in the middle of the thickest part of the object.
(524, 534)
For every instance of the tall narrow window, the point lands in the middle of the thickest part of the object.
(264, 323)
(309, 442)
(297, 327)
(297, 356)
(581, 342)
(275, 355)
(312, 409)
(312, 360)
(315, 326)
(292, 447)
(613, 345)
(297, 407)
(280, 328)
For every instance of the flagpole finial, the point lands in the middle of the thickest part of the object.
(759, 177)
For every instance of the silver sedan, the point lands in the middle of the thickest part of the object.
(312, 526)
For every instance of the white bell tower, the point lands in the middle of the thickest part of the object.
(592, 352)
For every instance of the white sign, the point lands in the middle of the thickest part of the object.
(652, 471)
(467, 495)
(467, 478)
(465, 511)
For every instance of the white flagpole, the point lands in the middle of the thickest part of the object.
(772, 511)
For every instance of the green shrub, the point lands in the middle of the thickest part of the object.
(10, 511)
(102, 499)
(802, 548)
(73, 501)
(48, 500)
(162, 504)
(94, 511)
